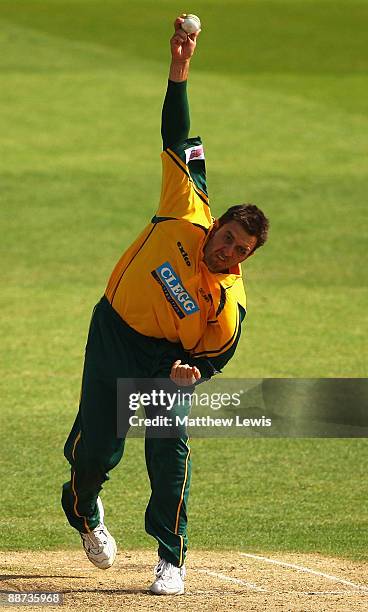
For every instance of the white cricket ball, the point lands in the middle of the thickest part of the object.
(191, 24)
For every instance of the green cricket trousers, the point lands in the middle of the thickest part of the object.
(115, 350)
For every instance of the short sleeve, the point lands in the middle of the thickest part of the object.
(184, 187)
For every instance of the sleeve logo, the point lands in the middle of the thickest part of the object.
(194, 153)
(174, 290)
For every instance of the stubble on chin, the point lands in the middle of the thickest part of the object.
(212, 265)
(207, 261)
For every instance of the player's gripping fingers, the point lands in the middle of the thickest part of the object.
(180, 37)
(178, 21)
(194, 36)
(177, 25)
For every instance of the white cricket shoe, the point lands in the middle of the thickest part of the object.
(99, 545)
(169, 579)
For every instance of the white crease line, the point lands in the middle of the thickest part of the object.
(306, 570)
(230, 579)
(327, 593)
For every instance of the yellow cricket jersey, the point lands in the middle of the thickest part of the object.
(161, 287)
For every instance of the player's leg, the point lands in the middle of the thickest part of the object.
(93, 447)
(169, 468)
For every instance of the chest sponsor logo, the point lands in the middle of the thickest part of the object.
(174, 290)
(183, 253)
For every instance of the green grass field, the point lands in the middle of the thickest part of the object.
(278, 92)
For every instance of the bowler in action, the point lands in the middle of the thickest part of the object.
(173, 308)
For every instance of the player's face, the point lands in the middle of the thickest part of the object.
(228, 246)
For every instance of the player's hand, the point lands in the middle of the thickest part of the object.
(182, 44)
(184, 375)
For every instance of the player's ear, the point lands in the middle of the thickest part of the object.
(251, 253)
(214, 228)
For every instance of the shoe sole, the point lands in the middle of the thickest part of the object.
(181, 592)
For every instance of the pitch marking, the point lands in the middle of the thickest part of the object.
(326, 593)
(306, 570)
(230, 579)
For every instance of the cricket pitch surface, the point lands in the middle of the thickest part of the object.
(217, 581)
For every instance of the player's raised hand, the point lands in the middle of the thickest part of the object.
(182, 44)
(184, 375)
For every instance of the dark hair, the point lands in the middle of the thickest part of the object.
(251, 218)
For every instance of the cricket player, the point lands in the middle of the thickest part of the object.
(173, 308)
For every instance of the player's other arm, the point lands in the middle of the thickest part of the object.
(203, 364)
(219, 341)
(213, 364)
(175, 121)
